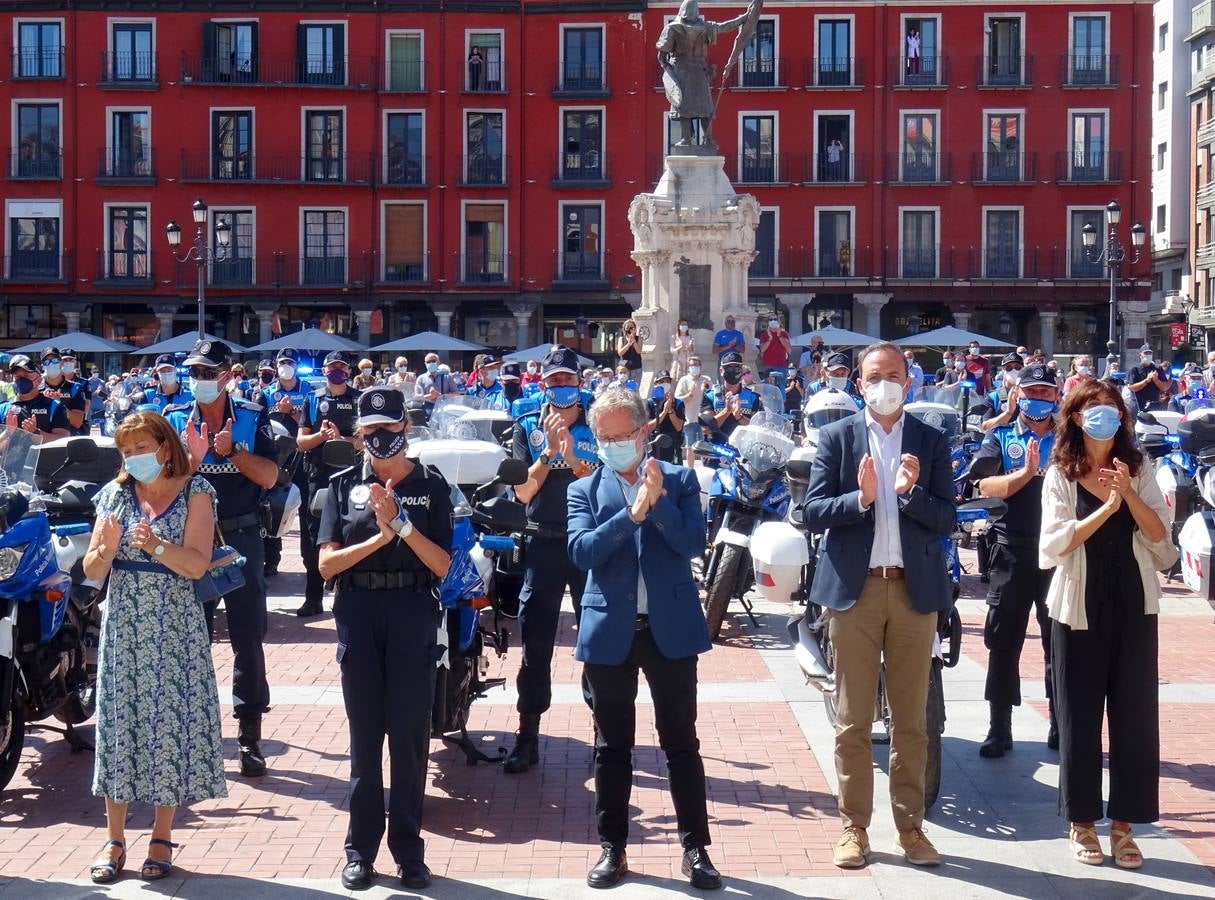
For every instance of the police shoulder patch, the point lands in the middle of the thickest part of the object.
(360, 494)
(324, 406)
(536, 438)
(1015, 450)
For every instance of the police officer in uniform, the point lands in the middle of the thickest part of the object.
(285, 399)
(1009, 466)
(329, 416)
(488, 387)
(385, 534)
(512, 385)
(558, 442)
(835, 377)
(170, 392)
(667, 416)
(31, 409)
(72, 397)
(727, 405)
(230, 445)
(1003, 400)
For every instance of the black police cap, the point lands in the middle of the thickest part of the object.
(215, 354)
(1012, 359)
(340, 356)
(381, 406)
(265, 364)
(290, 355)
(559, 359)
(50, 352)
(1038, 375)
(510, 371)
(165, 359)
(732, 358)
(21, 361)
(838, 361)
(67, 353)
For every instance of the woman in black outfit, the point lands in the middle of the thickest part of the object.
(628, 349)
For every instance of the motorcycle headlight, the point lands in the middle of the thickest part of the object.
(10, 560)
(753, 489)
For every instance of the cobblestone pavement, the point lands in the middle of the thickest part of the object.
(768, 759)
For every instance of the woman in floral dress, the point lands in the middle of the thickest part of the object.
(683, 348)
(158, 731)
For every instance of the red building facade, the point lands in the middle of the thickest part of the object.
(467, 166)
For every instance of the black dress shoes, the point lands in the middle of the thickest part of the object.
(609, 870)
(357, 876)
(414, 875)
(699, 870)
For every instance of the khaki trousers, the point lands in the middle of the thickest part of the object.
(882, 625)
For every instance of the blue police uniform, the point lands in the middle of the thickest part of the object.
(180, 397)
(714, 400)
(493, 395)
(74, 397)
(526, 405)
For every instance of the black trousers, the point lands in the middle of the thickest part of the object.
(387, 648)
(547, 571)
(247, 624)
(613, 700)
(1018, 587)
(1111, 668)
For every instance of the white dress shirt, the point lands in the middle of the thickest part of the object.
(630, 497)
(886, 450)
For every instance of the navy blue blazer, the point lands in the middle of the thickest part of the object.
(926, 512)
(603, 542)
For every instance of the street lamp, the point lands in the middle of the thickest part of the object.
(200, 252)
(1112, 254)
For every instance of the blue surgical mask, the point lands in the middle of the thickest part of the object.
(1101, 423)
(620, 456)
(143, 467)
(1037, 410)
(168, 379)
(206, 391)
(23, 385)
(561, 397)
(432, 367)
(51, 370)
(659, 392)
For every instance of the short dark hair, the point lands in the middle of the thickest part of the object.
(880, 347)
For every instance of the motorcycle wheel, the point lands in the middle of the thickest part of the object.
(12, 737)
(726, 570)
(81, 702)
(936, 727)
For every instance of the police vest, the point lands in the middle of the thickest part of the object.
(493, 396)
(1014, 444)
(298, 395)
(246, 416)
(997, 404)
(586, 448)
(181, 398)
(342, 411)
(747, 398)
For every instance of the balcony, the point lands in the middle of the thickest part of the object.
(354, 72)
(393, 270)
(1002, 262)
(484, 171)
(1201, 20)
(580, 270)
(1203, 76)
(758, 74)
(278, 271)
(1088, 166)
(31, 63)
(1205, 196)
(1079, 265)
(764, 168)
(1003, 167)
(581, 170)
(44, 164)
(483, 268)
(764, 264)
(829, 168)
(37, 267)
(263, 168)
(581, 79)
(486, 78)
(1205, 258)
(916, 166)
(405, 77)
(401, 170)
(1002, 72)
(1088, 70)
(321, 271)
(920, 73)
(799, 264)
(121, 165)
(120, 269)
(130, 71)
(1206, 132)
(919, 263)
(834, 72)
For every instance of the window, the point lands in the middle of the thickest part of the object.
(834, 52)
(484, 65)
(759, 56)
(920, 52)
(582, 65)
(39, 50)
(38, 141)
(1157, 282)
(132, 58)
(1160, 218)
(484, 162)
(1089, 64)
(404, 242)
(324, 246)
(1162, 38)
(229, 51)
(130, 152)
(1162, 95)
(324, 141)
(1002, 252)
(128, 239)
(580, 243)
(1003, 62)
(833, 162)
(484, 242)
(34, 247)
(1175, 279)
(758, 163)
(764, 264)
(679, 131)
(321, 54)
(1161, 151)
(1003, 147)
(232, 145)
(405, 62)
(919, 244)
(1082, 266)
(582, 145)
(919, 147)
(406, 163)
(834, 243)
(236, 268)
(1088, 146)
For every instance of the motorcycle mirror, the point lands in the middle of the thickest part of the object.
(661, 442)
(799, 469)
(1146, 418)
(81, 451)
(338, 454)
(512, 472)
(502, 514)
(703, 448)
(418, 416)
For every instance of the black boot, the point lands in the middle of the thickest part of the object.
(527, 746)
(252, 763)
(1052, 733)
(312, 607)
(999, 736)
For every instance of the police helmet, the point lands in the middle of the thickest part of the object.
(827, 406)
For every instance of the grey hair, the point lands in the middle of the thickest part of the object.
(615, 398)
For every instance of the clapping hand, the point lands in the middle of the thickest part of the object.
(867, 481)
(283, 405)
(557, 433)
(329, 431)
(143, 538)
(52, 394)
(198, 441)
(111, 534)
(650, 492)
(907, 475)
(30, 424)
(1032, 459)
(223, 440)
(384, 504)
(11, 422)
(1117, 479)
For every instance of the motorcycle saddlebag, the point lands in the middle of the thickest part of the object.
(780, 555)
(1197, 433)
(1195, 542)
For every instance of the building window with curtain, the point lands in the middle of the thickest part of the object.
(229, 52)
(236, 268)
(130, 152)
(484, 70)
(324, 141)
(1089, 62)
(919, 147)
(485, 161)
(919, 244)
(33, 247)
(321, 54)
(1002, 250)
(1088, 146)
(758, 157)
(404, 243)
(582, 145)
(232, 145)
(39, 50)
(484, 243)
(128, 240)
(581, 250)
(1003, 162)
(405, 62)
(758, 66)
(324, 246)
(39, 148)
(834, 243)
(1080, 264)
(133, 57)
(582, 59)
(834, 64)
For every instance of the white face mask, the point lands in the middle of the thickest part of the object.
(884, 397)
(693, 370)
(774, 323)
(286, 372)
(531, 370)
(683, 329)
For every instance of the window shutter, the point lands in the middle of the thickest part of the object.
(253, 58)
(483, 212)
(403, 234)
(301, 52)
(209, 68)
(340, 75)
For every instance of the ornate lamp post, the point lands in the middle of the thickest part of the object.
(1112, 255)
(200, 252)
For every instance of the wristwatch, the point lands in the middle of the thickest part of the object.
(545, 459)
(160, 549)
(403, 528)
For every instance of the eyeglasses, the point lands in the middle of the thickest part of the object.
(616, 440)
(206, 373)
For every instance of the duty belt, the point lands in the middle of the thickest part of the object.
(550, 533)
(387, 581)
(239, 523)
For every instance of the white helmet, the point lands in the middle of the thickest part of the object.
(826, 406)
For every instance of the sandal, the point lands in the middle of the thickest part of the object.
(106, 872)
(1085, 847)
(1124, 849)
(162, 867)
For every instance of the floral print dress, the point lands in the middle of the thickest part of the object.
(158, 725)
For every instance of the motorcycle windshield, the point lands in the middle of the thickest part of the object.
(18, 460)
(766, 442)
(943, 418)
(468, 419)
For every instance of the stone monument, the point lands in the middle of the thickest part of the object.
(693, 236)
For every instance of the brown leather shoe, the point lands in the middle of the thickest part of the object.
(917, 848)
(852, 849)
